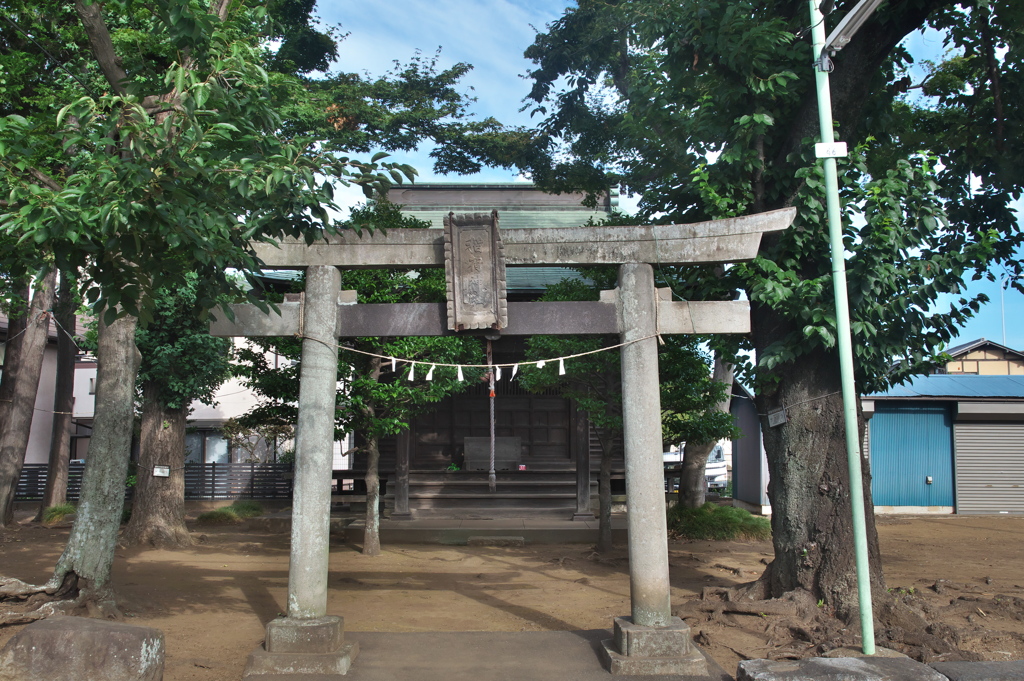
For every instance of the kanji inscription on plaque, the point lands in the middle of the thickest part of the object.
(474, 267)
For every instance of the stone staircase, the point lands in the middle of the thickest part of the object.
(465, 494)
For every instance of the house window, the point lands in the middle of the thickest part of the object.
(206, 446)
(92, 386)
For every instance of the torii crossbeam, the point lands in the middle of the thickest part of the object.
(651, 641)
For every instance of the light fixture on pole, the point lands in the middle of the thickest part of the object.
(827, 150)
(850, 24)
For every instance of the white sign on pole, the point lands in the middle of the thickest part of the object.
(830, 150)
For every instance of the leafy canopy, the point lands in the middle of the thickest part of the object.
(182, 139)
(708, 110)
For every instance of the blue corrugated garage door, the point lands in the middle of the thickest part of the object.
(911, 442)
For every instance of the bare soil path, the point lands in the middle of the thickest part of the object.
(213, 601)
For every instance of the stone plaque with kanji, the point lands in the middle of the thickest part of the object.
(474, 267)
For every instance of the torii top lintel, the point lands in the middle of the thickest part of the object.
(717, 241)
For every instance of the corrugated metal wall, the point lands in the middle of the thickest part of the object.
(909, 443)
(989, 468)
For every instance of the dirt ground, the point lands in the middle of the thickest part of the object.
(213, 601)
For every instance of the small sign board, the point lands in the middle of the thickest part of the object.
(830, 150)
(474, 267)
(161, 471)
(777, 417)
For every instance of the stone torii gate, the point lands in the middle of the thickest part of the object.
(474, 252)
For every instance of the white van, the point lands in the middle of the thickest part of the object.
(716, 474)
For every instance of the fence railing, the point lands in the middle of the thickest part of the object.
(202, 481)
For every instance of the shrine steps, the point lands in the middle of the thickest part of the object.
(466, 494)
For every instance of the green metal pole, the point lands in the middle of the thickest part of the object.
(835, 232)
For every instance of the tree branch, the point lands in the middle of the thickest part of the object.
(102, 46)
(45, 179)
(220, 8)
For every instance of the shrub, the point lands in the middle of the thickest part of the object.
(247, 508)
(55, 514)
(712, 521)
(219, 516)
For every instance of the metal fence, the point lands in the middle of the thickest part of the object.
(202, 481)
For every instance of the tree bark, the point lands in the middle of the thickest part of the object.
(692, 483)
(158, 510)
(89, 554)
(371, 535)
(63, 398)
(23, 363)
(812, 528)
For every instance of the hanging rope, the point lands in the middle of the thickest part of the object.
(513, 365)
(492, 482)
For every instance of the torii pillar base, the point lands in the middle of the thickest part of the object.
(302, 649)
(649, 651)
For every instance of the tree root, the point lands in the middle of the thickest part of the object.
(23, 603)
(797, 626)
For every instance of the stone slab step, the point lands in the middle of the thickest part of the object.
(998, 670)
(483, 513)
(837, 669)
(523, 494)
(415, 481)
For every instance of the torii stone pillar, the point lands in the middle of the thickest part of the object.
(641, 425)
(651, 640)
(308, 640)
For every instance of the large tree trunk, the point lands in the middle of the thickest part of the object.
(22, 365)
(692, 483)
(158, 511)
(63, 398)
(89, 554)
(371, 535)
(812, 528)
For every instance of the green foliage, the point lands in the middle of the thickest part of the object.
(142, 193)
(180, 359)
(219, 516)
(688, 395)
(708, 110)
(718, 523)
(248, 438)
(593, 380)
(247, 508)
(55, 514)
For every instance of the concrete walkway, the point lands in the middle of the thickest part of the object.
(480, 655)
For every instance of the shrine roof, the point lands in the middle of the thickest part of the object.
(519, 204)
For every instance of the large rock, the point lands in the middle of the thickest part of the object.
(1011, 670)
(81, 649)
(837, 669)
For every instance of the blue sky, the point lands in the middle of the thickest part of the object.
(492, 35)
